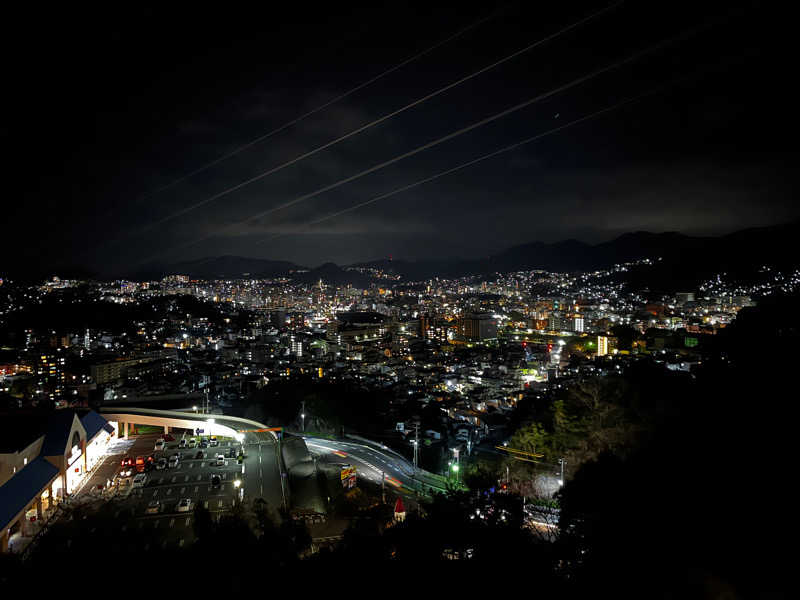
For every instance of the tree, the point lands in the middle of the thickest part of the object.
(532, 438)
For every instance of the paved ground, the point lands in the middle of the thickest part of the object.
(190, 479)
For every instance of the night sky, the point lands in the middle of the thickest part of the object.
(104, 109)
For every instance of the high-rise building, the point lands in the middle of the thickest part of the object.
(296, 346)
(606, 344)
(577, 323)
(50, 373)
(425, 323)
(478, 327)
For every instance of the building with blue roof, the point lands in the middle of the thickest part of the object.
(43, 458)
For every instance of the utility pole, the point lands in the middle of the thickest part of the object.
(561, 462)
(416, 445)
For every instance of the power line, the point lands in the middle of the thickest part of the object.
(377, 121)
(319, 108)
(463, 130)
(474, 161)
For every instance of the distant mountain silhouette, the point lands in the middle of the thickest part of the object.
(685, 259)
(221, 267)
(332, 274)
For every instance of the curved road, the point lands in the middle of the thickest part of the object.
(373, 464)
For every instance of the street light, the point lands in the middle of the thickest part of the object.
(194, 408)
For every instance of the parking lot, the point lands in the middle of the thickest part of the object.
(191, 479)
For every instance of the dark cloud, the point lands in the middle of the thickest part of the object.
(136, 101)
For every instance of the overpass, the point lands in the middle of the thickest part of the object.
(224, 425)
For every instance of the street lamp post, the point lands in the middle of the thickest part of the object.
(454, 466)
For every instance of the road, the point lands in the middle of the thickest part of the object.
(372, 464)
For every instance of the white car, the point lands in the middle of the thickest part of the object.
(140, 480)
(220, 460)
(192, 443)
(159, 445)
(173, 462)
(185, 505)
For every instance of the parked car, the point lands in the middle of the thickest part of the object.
(185, 505)
(173, 461)
(139, 480)
(161, 464)
(220, 460)
(153, 507)
(159, 445)
(203, 444)
(215, 481)
(192, 443)
(182, 443)
(199, 454)
(213, 441)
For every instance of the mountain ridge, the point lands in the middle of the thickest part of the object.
(692, 257)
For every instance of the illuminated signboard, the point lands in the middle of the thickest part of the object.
(348, 476)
